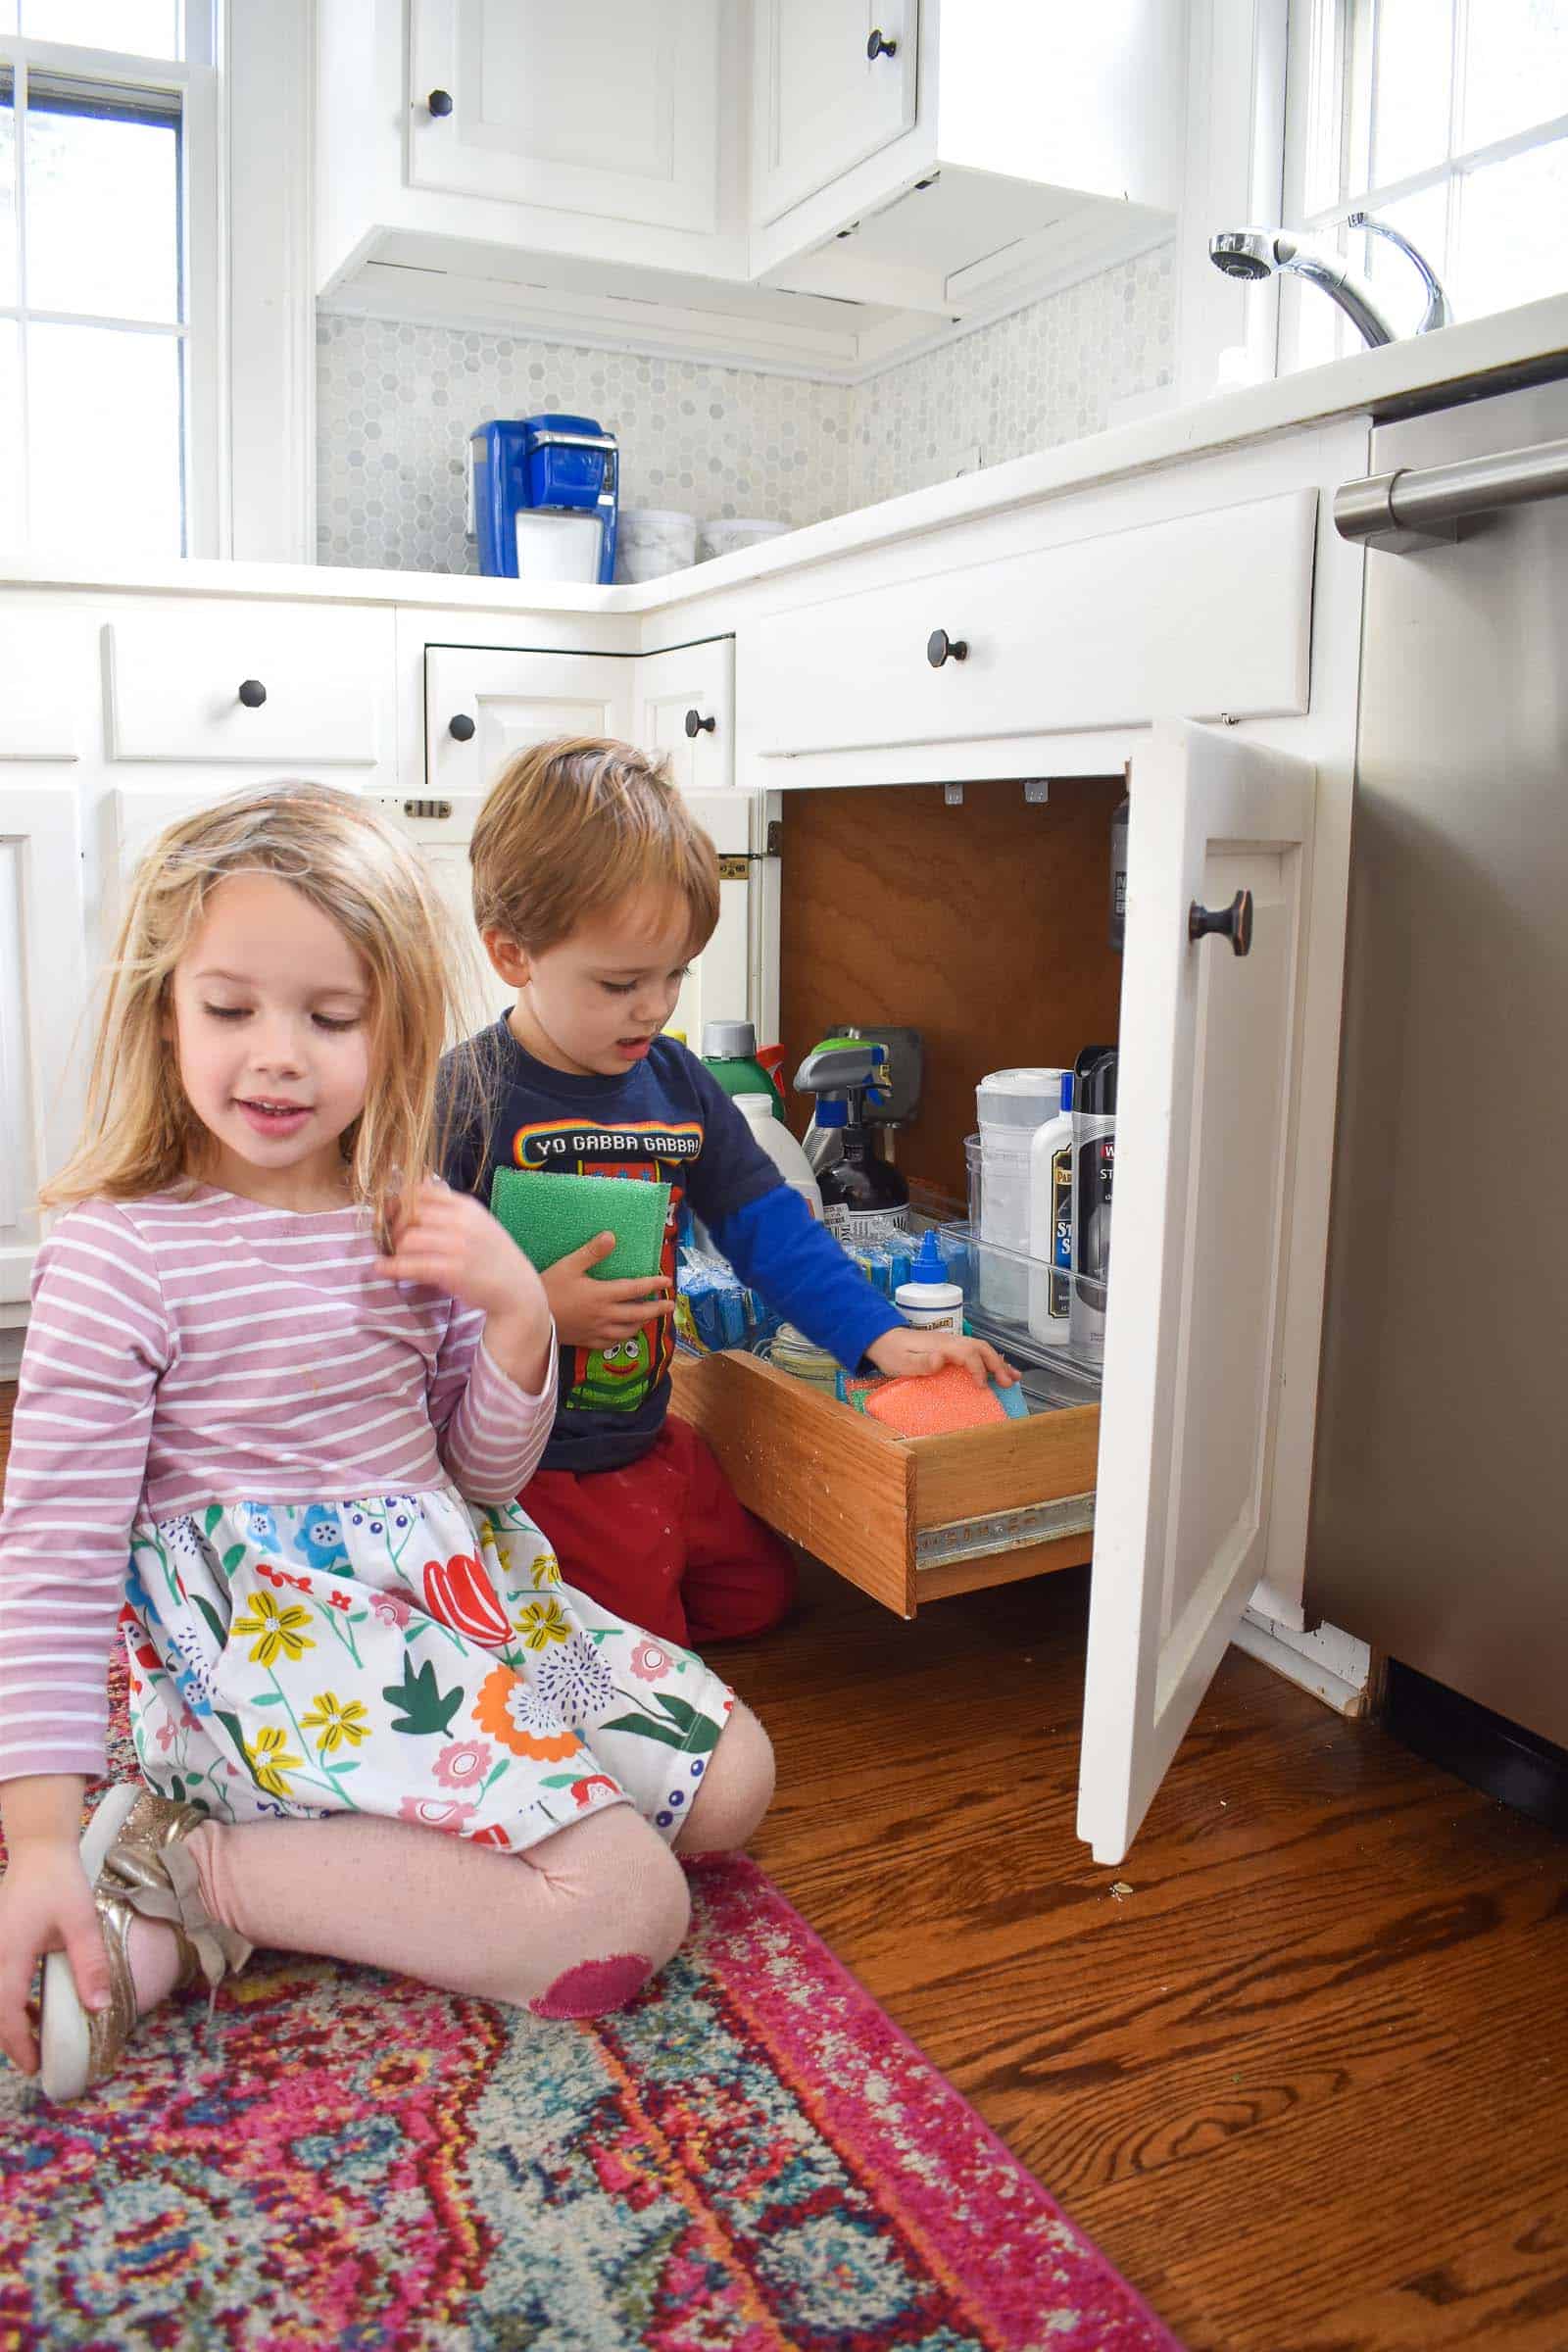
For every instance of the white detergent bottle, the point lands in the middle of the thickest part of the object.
(1051, 1223)
(781, 1147)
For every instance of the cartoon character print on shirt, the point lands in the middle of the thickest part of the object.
(620, 1378)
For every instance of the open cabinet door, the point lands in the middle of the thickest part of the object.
(1203, 1153)
(726, 982)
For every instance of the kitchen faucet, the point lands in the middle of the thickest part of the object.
(1257, 252)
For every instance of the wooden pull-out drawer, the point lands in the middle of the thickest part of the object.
(906, 1519)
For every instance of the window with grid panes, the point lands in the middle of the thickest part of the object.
(1446, 118)
(107, 238)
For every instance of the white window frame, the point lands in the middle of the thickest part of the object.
(1227, 332)
(194, 81)
(1332, 40)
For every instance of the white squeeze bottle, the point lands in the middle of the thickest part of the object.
(781, 1147)
(1051, 1223)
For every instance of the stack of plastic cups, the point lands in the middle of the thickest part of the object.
(1012, 1105)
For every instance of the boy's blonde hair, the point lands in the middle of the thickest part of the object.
(140, 1134)
(572, 827)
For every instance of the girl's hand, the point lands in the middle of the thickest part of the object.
(46, 1905)
(446, 1239)
(596, 1314)
(907, 1350)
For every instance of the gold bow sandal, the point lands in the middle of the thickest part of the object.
(134, 1856)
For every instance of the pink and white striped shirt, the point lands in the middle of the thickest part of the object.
(196, 1347)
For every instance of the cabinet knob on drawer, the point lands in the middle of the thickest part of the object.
(877, 47)
(460, 726)
(439, 103)
(940, 647)
(1232, 922)
(252, 692)
(697, 725)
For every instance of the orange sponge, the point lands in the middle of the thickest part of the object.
(924, 1405)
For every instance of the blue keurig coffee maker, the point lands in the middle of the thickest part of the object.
(544, 492)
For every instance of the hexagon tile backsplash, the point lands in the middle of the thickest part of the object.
(395, 405)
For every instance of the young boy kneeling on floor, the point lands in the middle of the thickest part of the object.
(593, 890)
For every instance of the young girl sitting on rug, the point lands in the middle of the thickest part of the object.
(300, 1381)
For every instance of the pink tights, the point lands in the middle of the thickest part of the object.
(570, 1927)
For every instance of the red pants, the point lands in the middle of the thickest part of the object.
(664, 1544)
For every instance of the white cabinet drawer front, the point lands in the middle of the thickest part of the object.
(249, 686)
(1204, 615)
(685, 709)
(48, 686)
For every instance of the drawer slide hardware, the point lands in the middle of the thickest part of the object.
(1003, 1531)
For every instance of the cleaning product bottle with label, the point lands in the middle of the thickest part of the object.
(729, 1049)
(1094, 1118)
(930, 1300)
(782, 1149)
(1051, 1223)
(841, 1072)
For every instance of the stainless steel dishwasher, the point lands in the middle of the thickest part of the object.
(1440, 1518)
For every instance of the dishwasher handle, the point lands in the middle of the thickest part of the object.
(1423, 506)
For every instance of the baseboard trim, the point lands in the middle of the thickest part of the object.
(1516, 1766)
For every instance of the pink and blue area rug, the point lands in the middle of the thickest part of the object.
(751, 2158)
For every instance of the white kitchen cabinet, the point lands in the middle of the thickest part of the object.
(483, 704)
(991, 143)
(1203, 614)
(612, 111)
(249, 686)
(830, 85)
(683, 705)
(44, 990)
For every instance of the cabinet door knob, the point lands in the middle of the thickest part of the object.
(940, 647)
(697, 725)
(877, 47)
(460, 726)
(252, 692)
(439, 103)
(1232, 922)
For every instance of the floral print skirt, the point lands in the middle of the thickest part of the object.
(401, 1655)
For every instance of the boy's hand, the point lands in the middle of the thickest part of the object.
(590, 1313)
(446, 1239)
(907, 1350)
(46, 1905)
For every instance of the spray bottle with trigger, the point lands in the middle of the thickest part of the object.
(843, 1073)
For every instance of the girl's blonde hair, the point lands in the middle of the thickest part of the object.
(140, 1134)
(573, 826)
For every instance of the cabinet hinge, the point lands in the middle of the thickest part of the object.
(440, 810)
(734, 869)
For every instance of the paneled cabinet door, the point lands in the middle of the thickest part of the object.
(1203, 1157)
(482, 704)
(684, 707)
(43, 996)
(823, 101)
(610, 110)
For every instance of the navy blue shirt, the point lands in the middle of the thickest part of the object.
(666, 1121)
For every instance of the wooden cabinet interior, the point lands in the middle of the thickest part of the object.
(982, 926)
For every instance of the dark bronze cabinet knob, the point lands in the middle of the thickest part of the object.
(252, 692)
(460, 726)
(877, 47)
(439, 103)
(940, 647)
(1232, 922)
(697, 725)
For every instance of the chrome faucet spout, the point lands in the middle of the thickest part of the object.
(1437, 311)
(1257, 253)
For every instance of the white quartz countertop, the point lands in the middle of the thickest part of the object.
(1460, 363)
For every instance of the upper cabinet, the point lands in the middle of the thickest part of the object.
(819, 183)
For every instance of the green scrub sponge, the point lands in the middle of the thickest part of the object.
(549, 1216)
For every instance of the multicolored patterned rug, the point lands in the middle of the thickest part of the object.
(751, 2158)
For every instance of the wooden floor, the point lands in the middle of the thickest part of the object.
(1306, 2083)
